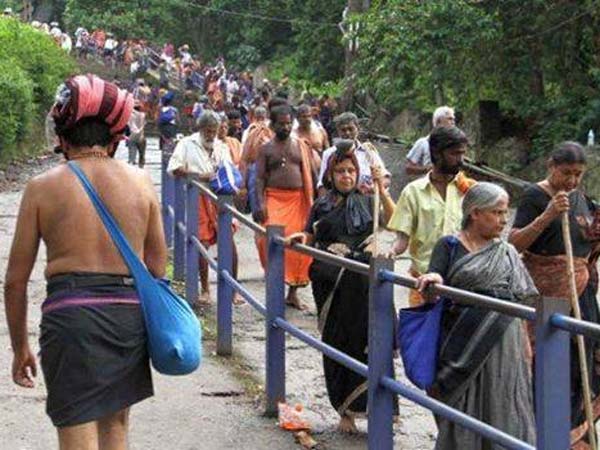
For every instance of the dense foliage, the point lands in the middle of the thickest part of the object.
(153, 20)
(539, 58)
(31, 68)
(303, 35)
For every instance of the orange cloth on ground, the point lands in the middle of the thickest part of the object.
(290, 208)
(235, 148)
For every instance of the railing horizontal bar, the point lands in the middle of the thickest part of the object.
(245, 220)
(437, 407)
(244, 292)
(327, 350)
(205, 190)
(321, 255)
(470, 298)
(204, 252)
(181, 227)
(574, 326)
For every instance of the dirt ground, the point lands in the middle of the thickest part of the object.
(220, 405)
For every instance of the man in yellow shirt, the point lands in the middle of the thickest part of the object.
(430, 207)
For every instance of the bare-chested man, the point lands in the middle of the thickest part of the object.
(93, 347)
(310, 130)
(284, 184)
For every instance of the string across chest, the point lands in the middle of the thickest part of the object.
(286, 154)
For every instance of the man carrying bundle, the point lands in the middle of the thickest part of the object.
(429, 207)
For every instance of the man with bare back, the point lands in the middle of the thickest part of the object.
(92, 335)
(286, 169)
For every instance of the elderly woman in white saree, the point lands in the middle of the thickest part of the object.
(482, 367)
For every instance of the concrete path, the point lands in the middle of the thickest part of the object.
(219, 406)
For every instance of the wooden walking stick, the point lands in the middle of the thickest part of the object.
(574, 298)
(376, 220)
(373, 163)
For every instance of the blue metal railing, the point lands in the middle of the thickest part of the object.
(553, 326)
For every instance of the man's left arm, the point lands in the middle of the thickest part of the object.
(20, 264)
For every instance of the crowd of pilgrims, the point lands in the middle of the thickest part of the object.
(450, 225)
(311, 172)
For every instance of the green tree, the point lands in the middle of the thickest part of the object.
(154, 20)
(538, 58)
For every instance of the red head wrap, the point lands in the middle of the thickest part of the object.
(85, 96)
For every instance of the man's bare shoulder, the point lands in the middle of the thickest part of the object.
(50, 176)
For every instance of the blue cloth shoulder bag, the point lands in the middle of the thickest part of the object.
(173, 330)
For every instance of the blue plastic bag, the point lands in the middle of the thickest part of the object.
(419, 333)
(228, 179)
(173, 330)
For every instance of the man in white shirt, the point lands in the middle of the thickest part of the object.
(137, 139)
(199, 156)
(346, 125)
(418, 159)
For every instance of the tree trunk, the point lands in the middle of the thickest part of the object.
(354, 7)
(536, 83)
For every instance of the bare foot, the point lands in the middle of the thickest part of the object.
(204, 298)
(347, 425)
(293, 301)
(238, 299)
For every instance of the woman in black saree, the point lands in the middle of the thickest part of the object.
(483, 367)
(341, 222)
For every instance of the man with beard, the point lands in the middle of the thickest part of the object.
(235, 127)
(284, 184)
(199, 155)
(310, 130)
(430, 207)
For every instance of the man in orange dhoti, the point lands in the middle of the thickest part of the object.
(284, 185)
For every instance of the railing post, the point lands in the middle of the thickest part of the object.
(179, 237)
(224, 290)
(552, 377)
(275, 286)
(166, 198)
(191, 252)
(381, 347)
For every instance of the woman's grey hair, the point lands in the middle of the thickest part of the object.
(482, 195)
(207, 119)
